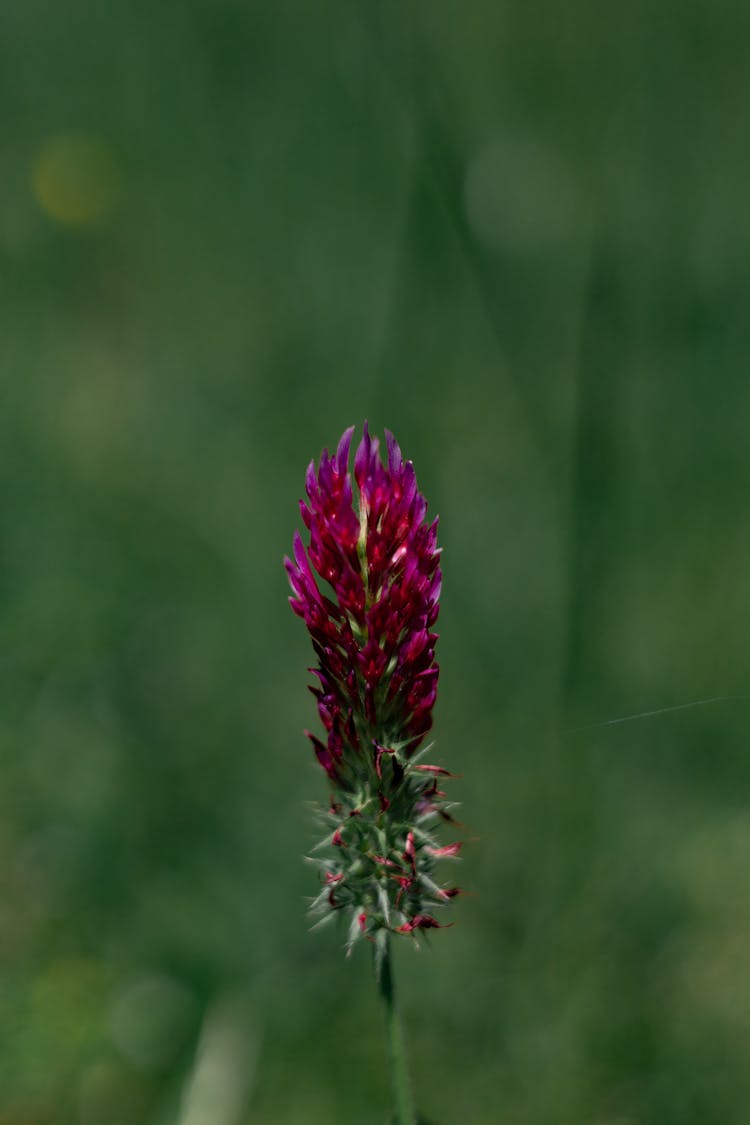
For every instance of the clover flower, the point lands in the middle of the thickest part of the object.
(371, 621)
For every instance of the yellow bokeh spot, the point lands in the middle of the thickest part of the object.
(74, 178)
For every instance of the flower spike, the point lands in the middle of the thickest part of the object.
(367, 586)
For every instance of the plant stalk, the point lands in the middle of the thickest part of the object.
(402, 1093)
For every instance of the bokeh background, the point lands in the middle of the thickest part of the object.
(519, 236)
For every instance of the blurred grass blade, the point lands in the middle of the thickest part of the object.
(218, 1088)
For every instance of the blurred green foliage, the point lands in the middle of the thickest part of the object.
(518, 236)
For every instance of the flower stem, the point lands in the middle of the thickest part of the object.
(401, 1083)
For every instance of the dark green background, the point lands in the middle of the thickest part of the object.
(518, 235)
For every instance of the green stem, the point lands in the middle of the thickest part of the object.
(402, 1094)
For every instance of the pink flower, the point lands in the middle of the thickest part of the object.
(367, 586)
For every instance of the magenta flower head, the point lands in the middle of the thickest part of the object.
(371, 612)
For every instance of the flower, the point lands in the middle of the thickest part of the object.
(368, 588)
